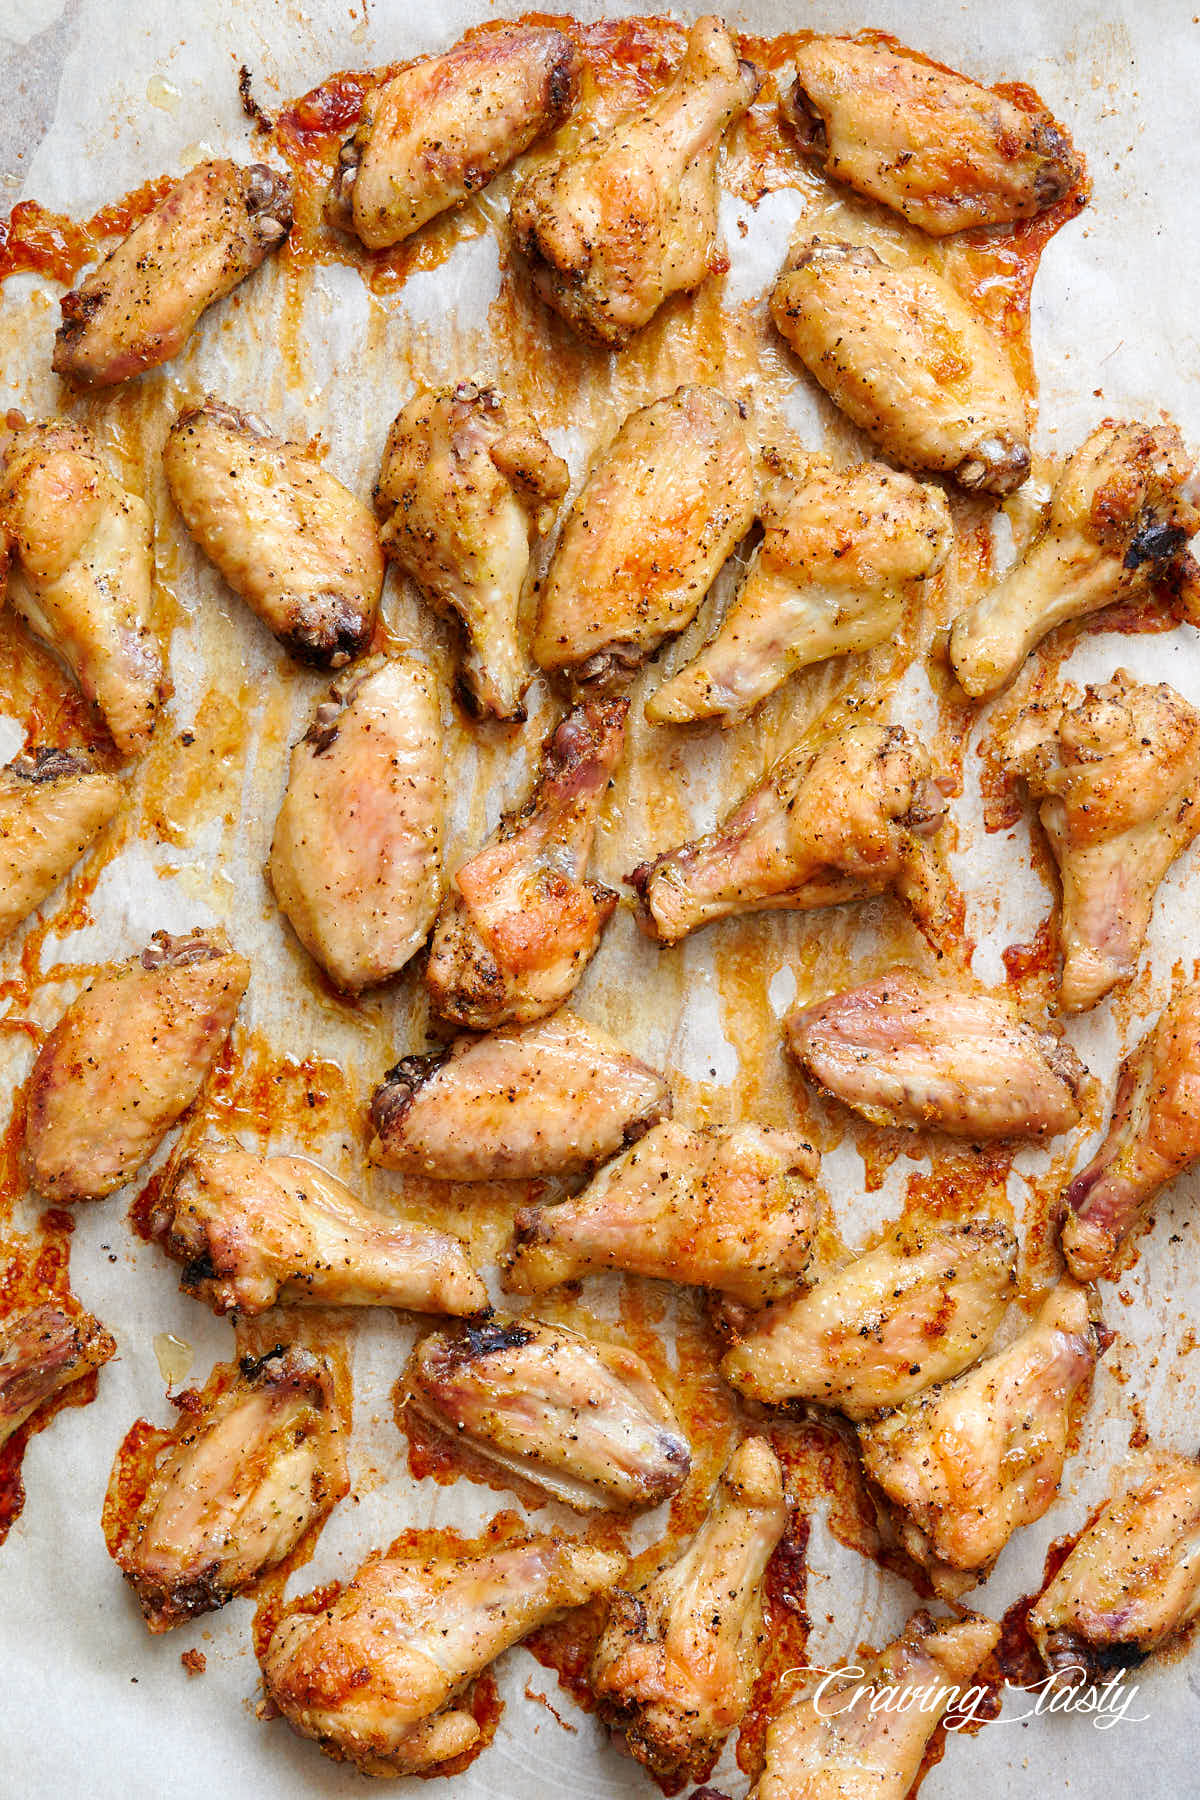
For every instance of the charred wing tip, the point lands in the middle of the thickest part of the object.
(49, 762)
(330, 642)
(483, 1335)
(808, 124)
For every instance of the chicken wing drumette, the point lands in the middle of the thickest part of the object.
(1119, 519)
(140, 306)
(521, 922)
(616, 225)
(1116, 772)
(53, 804)
(467, 483)
(43, 1349)
(676, 1664)
(857, 817)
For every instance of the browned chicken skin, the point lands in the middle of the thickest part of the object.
(43, 1349)
(140, 306)
(439, 130)
(676, 1664)
(53, 804)
(615, 225)
(125, 1060)
(521, 923)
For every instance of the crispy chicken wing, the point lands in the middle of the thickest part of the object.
(733, 1210)
(656, 519)
(125, 1060)
(852, 819)
(297, 546)
(82, 571)
(467, 483)
(521, 923)
(905, 357)
(255, 1461)
(1119, 519)
(53, 804)
(356, 860)
(675, 1667)
(938, 148)
(546, 1099)
(970, 1462)
(1153, 1136)
(583, 1421)
(373, 1676)
(842, 551)
(1116, 772)
(439, 130)
(1133, 1579)
(848, 1743)
(616, 225)
(254, 1232)
(919, 1309)
(140, 306)
(912, 1050)
(43, 1349)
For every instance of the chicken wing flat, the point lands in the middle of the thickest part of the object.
(907, 360)
(1118, 520)
(849, 1743)
(1133, 1579)
(1153, 1136)
(841, 553)
(546, 1099)
(251, 1466)
(374, 1675)
(970, 1462)
(920, 1308)
(734, 1210)
(616, 225)
(936, 147)
(43, 1349)
(521, 923)
(645, 540)
(676, 1664)
(356, 860)
(126, 1059)
(1116, 772)
(910, 1050)
(142, 304)
(439, 130)
(82, 572)
(297, 546)
(467, 483)
(584, 1422)
(254, 1232)
(53, 804)
(841, 823)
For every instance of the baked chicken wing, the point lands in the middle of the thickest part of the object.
(521, 923)
(1119, 519)
(467, 483)
(439, 130)
(140, 306)
(857, 817)
(53, 804)
(904, 356)
(911, 1050)
(253, 1464)
(584, 1422)
(841, 554)
(920, 1308)
(733, 1210)
(82, 571)
(1116, 773)
(614, 226)
(254, 1232)
(676, 1664)
(126, 1059)
(43, 1349)
(356, 860)
(374, 1675)
(546, 1099)
(297, 546)
(656, 519)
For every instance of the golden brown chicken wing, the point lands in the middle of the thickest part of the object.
(53, 804)
(43, 1349)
